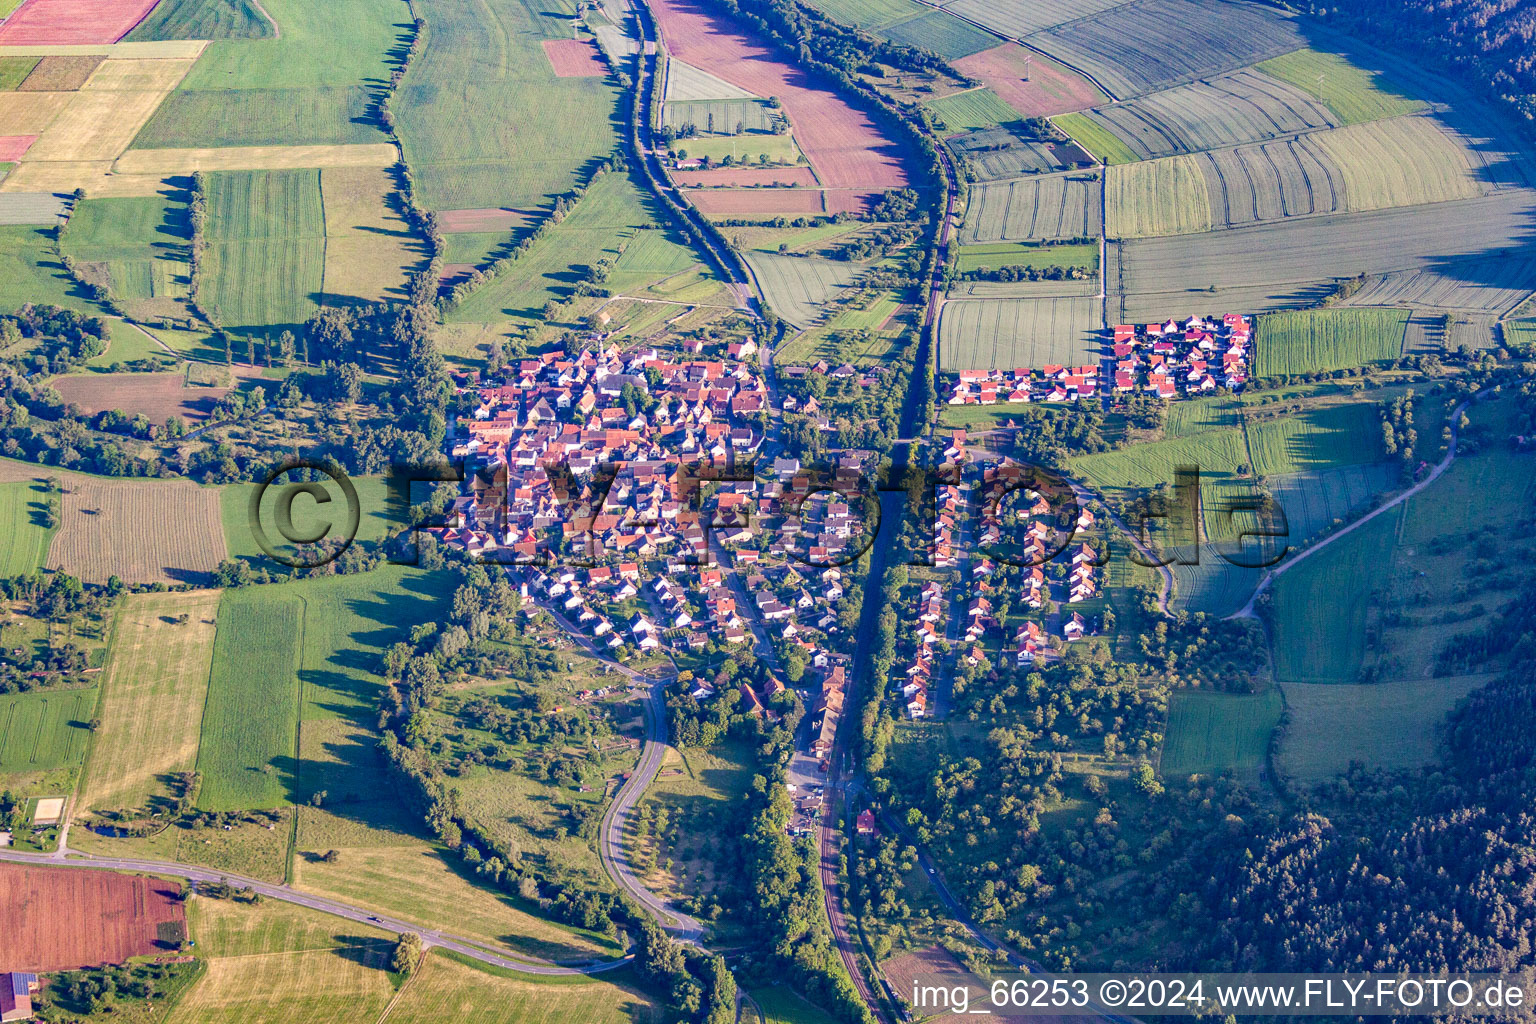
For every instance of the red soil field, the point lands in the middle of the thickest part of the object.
(454, 221)
(1050, 89)
(63, 918)
(158, 396)
(13, 147)
(731, 202)
(747, 176)
(844, 201)
(574, 58)
(454, 272)
(842, 142)
(70, 22)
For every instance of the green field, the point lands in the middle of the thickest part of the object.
(249, 735)
(265, 263)
(1095, 138)
(374, 517)
(1156, 197)
(1391, 726)
(23, 537)
(482, 995)
(1198, 415)
(43, 731)
(940, 33)
(1019, 254)
(548, 131)
(721, 117)
(780, 148)
(612, 218)
(310, 85)
(142, 243)
(966, 111)
(202, 19)
(868, 14)
(1321, 437)
(1353, 93)
(1404, 161)
(29, 273)
(1314, 340)
(14, 70)
(1210, 733)
(782, 1005)
(1519, 332)
(798, 288)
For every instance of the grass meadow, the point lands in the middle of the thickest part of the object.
(978, 108)
(44, 731)
(310, 85)
(1313, 340)
(29, 272)
(1037, 257)
(1210, 733)
(1321, 437)
(1095, 138)
(472, 993)
(202, 19)
(24, 539)
(265, 264)
(153, 690)
(1355, 94)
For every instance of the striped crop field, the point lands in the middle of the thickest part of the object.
(978, 108)
(1156, 197)
(1406, 161)
(978, 334)
(1321, 437)
(1353, 93)
(249, 741)
(1310, 341)
(1047, 206)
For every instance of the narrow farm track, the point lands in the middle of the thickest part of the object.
(1247, 612)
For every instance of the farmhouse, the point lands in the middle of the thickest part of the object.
(16, 991)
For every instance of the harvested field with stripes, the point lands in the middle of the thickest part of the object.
(942, 33)
(60, 74)
(1015, 19)
(1244, 106)
(1150, 45)
(724, 115)
(31, 207)
(265, 263)
(1489, 287)
(1307, 341)
(117, 528)
(799, 287)
(30, 113)
(1291, 178)
(1031, 84)
(1040, 207)
(1155, 197)
(254, 158)
(1405, 161)
(994, 153)
(369, 247)
(1296, 262)
(977, 334)
(686, 83)
(844, 144)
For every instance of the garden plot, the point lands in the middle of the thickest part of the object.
(982, 334)
(1143, 47)
(1245, 106)
(1041, 207)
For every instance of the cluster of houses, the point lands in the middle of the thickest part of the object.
(1185, 358)
(1170, 359)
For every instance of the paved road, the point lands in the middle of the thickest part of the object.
(360, 915)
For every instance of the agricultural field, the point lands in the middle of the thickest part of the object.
(1155, 197)
(1015, 254)
(476, 994)
(720, 117)
(29, 272)
(308, 84)
(1406, 161)
(1031, 84)
(1212, 733)
(1036, 207)
(686, 84)
(157, 396)
(151, 707)
(1319, 499)
(781, 1004)
(1355, 94)
(341, 985)
(1143, 47)
(1318, 438)
(246, 760)
(798, 288)
(1489, 288)
(370, 249)
(976, 108)
(1229, 110)
(265, 265)
(613, 216)
(1197, 415)
(24, 538)
(139, 248)
(415, 882)
(44, 730)
(1296, 261)
(993, 153)
(780, 149)
(1388, 725)
(947, 36)
(1016, 20)
(14, 70)
(58, 918)
(108, 528)
(1309, 341)
(1271, 180)
(200, 19)
(990, 333)
(549, 131)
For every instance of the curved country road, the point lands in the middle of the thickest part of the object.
(1246, 612)
(429, 937)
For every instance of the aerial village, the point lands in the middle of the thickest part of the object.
(1169, 360)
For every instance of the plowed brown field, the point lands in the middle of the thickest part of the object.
(70, 22)
(62, 918)
(1033, 85)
